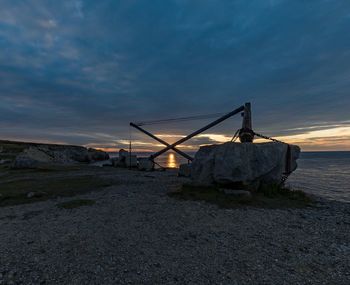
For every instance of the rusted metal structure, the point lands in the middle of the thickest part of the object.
(246, 133)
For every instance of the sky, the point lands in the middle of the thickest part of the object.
(77, 72)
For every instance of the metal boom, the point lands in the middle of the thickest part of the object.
(218, 121)
(173, 146)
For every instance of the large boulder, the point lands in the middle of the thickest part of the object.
(245, 164)
(31, 157)
(57, 154)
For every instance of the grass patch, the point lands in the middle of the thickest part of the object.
(15, 192)
(72, 204)
(267, 197)
(276, 191)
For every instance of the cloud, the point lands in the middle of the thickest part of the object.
(94, 66)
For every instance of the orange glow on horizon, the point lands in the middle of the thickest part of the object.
(333, 138)
(171, 160)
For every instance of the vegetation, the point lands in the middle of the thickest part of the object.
(75, 203)
(272, 196)
(27, 186)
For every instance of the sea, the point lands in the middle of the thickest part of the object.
(326, 174)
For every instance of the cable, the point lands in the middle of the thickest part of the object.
(130, 147)
(181, 119)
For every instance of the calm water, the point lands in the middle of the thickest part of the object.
(322, 173)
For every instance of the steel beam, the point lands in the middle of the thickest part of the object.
(212, 124)
(161, 141)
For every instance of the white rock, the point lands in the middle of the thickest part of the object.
(145, 164)
(22, 161)
(125, 159)
(249, 163)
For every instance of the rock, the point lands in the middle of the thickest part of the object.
(250, 164)
(24, 162)
(118, 162)
(184, 170)
(123, 153)
(35, 194)
(5, 161)
(125, 159)
(65, 154)
(97, 155)
(131, 161)
(30, 194)
(42, 154)
(145, 164)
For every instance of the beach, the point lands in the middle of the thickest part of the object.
(134, 233)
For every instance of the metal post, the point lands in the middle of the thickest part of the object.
(223, 118)
(246, 134)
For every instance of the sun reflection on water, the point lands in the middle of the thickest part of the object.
(171, 160)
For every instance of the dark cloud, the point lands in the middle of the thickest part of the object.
(79, 71)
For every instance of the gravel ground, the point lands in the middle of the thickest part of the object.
(136, 234)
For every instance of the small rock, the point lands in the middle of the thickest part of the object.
(24, 162)
(35, 194)
(30, 195)
(11, 274)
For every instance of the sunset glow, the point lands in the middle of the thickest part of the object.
(336, 138)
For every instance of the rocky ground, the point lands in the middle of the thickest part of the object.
(135, 233)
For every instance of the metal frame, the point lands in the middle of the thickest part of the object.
(173, 145)
(161, 141)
